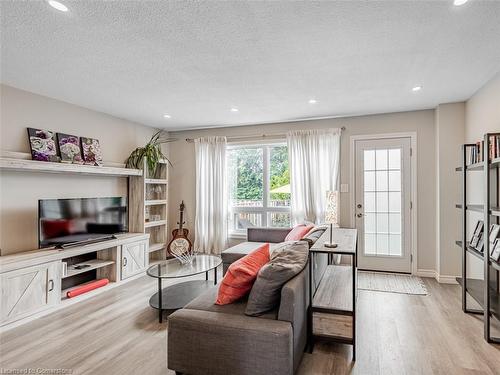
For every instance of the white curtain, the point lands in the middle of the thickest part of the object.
(211, 199)
(314, 158)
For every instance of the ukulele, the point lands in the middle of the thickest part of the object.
(180, 243)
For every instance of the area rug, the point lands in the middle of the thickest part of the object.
(392, 283)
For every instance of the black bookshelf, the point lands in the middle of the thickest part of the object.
(478, 254)
(475, 289)
(485, 292)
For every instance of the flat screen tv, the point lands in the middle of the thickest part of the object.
(68, 221)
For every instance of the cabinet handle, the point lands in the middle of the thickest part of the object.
(51, 285)
(124, 261)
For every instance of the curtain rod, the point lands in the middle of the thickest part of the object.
(256, 136)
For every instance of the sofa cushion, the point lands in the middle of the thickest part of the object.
(284, 265)
(271, 235)
(298, 232)
(313, 235)
(206, 302)
(241, 275)
(236, 252)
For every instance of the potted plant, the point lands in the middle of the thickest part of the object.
(151, 153)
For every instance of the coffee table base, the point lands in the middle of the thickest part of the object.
(179, 295)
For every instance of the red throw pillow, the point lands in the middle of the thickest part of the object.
(241, 275)
(298, 232)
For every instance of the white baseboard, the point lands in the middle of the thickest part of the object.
(442, 279)
(446, 279)
(426, 273)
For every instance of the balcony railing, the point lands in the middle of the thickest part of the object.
(259, 203)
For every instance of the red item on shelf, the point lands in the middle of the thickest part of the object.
(87, 288)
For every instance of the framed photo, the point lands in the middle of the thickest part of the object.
(474, 241)
(69, 147)
(476, 237)
(494, 231)
(91, 148)
(495, 250)
(42, 145)
(480, 243)
(479, 228)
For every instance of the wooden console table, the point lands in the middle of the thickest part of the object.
(332, 307)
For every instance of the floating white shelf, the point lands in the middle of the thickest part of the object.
(22, 165)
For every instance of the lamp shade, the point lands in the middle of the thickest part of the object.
(332, 207)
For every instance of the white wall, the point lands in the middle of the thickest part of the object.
(182, 175)
(450, 133)
(19, 192)
(482, 115)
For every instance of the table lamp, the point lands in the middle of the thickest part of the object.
(332, 214)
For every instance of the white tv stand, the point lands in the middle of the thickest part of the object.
(30, 282)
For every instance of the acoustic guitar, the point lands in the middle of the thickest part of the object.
(180, 243)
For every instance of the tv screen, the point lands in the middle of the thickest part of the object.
(65, 221)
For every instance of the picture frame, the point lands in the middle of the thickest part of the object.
(91, 150)
(495, 250)
(474, 241)
(494, 231)
(69, 148)
(480, 243)
(479, 228)
(42, 145)
(476, 237)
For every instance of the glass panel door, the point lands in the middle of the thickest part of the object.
(382, 203)
(382, 200)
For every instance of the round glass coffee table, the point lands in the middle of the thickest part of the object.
(178, 295)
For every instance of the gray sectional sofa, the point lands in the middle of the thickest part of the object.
(204, 338)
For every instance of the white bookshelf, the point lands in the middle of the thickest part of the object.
(148, 208)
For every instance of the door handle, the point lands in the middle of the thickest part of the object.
(360, 215)
(124, 261)
(51, 285)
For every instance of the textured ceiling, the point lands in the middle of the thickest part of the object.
(196, 60)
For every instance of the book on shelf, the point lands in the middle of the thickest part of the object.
(476, 152)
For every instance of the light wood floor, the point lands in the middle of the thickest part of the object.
(118, 333)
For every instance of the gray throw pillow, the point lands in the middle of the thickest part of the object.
(284, 265)
(313, 236)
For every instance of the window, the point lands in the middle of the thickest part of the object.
(383, 217)
(259, 187)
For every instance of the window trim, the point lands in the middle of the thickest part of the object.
(265, 210)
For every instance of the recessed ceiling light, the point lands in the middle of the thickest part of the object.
(166, 116)
(416, 88)
(459, 2)
(57, 5)
(312, 101)
(234, 109)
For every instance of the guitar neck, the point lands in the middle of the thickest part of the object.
(181, 221)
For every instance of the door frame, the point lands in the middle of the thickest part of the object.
(413, 185)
